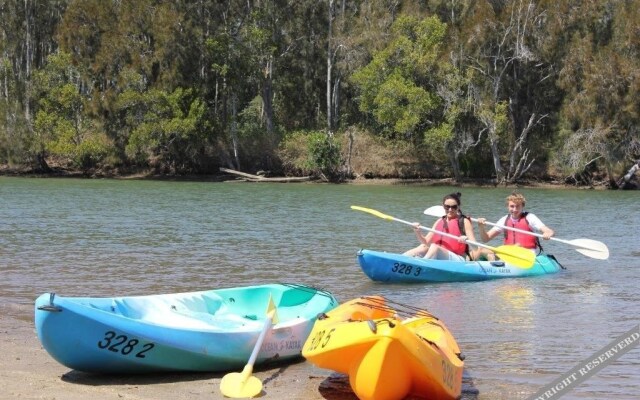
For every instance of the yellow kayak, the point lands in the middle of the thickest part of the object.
(385, 355)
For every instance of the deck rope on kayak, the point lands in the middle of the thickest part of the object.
(308, 289)
(431, 342)
(401, 309)
(551, 256)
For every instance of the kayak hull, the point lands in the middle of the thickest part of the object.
(384, 355)
(392, 267)
(213, 330)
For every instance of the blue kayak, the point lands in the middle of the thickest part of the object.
(392, 267)
(212, 330)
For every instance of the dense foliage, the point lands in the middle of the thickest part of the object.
(483, 89)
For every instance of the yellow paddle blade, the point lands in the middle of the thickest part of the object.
(271, 308)
(241, 384)
(515, 255)
(374, 212)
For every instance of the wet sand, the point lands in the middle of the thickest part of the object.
(28, 372)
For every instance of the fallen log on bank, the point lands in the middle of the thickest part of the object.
(625, 180)
(257, 178)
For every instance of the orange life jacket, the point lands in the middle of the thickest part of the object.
(511, 237)
(448, 243)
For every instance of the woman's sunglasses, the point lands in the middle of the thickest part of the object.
(448, 207)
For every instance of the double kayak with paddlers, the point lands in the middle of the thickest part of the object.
(212, 330)
(392, 267)
(514, 261)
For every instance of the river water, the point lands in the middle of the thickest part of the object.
(122, 237)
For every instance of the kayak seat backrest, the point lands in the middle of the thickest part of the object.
(203, 303)
(212, 302)
(295, 297)
(125, 308)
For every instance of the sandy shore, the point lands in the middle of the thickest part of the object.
(28, 372)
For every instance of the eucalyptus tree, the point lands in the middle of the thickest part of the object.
(26, 40)
(122, 48)
(253, 58)
(600, 75)
(503, 46)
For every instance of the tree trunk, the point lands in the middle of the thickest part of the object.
(335, 101)
(329, 69)
(518, 162)
(28, 60)
(267, 98)
(234, 131)
(349, 152)
(495, 155)
(41, 162)
(454, 161)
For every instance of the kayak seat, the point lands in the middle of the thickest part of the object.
(186, 313)
(204, 303)
(220, 320)
(211, 310)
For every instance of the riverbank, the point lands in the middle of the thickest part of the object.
(147, 175)
(28, 372)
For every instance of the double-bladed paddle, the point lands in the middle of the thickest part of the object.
(243, 384)
(514, 255)
(588, 247)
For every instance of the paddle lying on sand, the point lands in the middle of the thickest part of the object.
(514, 255)
(588, 247)
(243, 384)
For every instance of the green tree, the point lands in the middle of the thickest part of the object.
(166, 129)
(320, 154)
(398, 87)
(61, 127)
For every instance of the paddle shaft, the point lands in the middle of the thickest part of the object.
(435, 210)
(256, 349)
(573, 243)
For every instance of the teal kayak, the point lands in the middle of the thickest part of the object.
(213, 330)
(392, 267)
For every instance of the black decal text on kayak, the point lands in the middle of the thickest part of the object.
(497, 271)
(321, 338)
(121, 344)
(274, 347)
(448, 374)
(405, 269)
